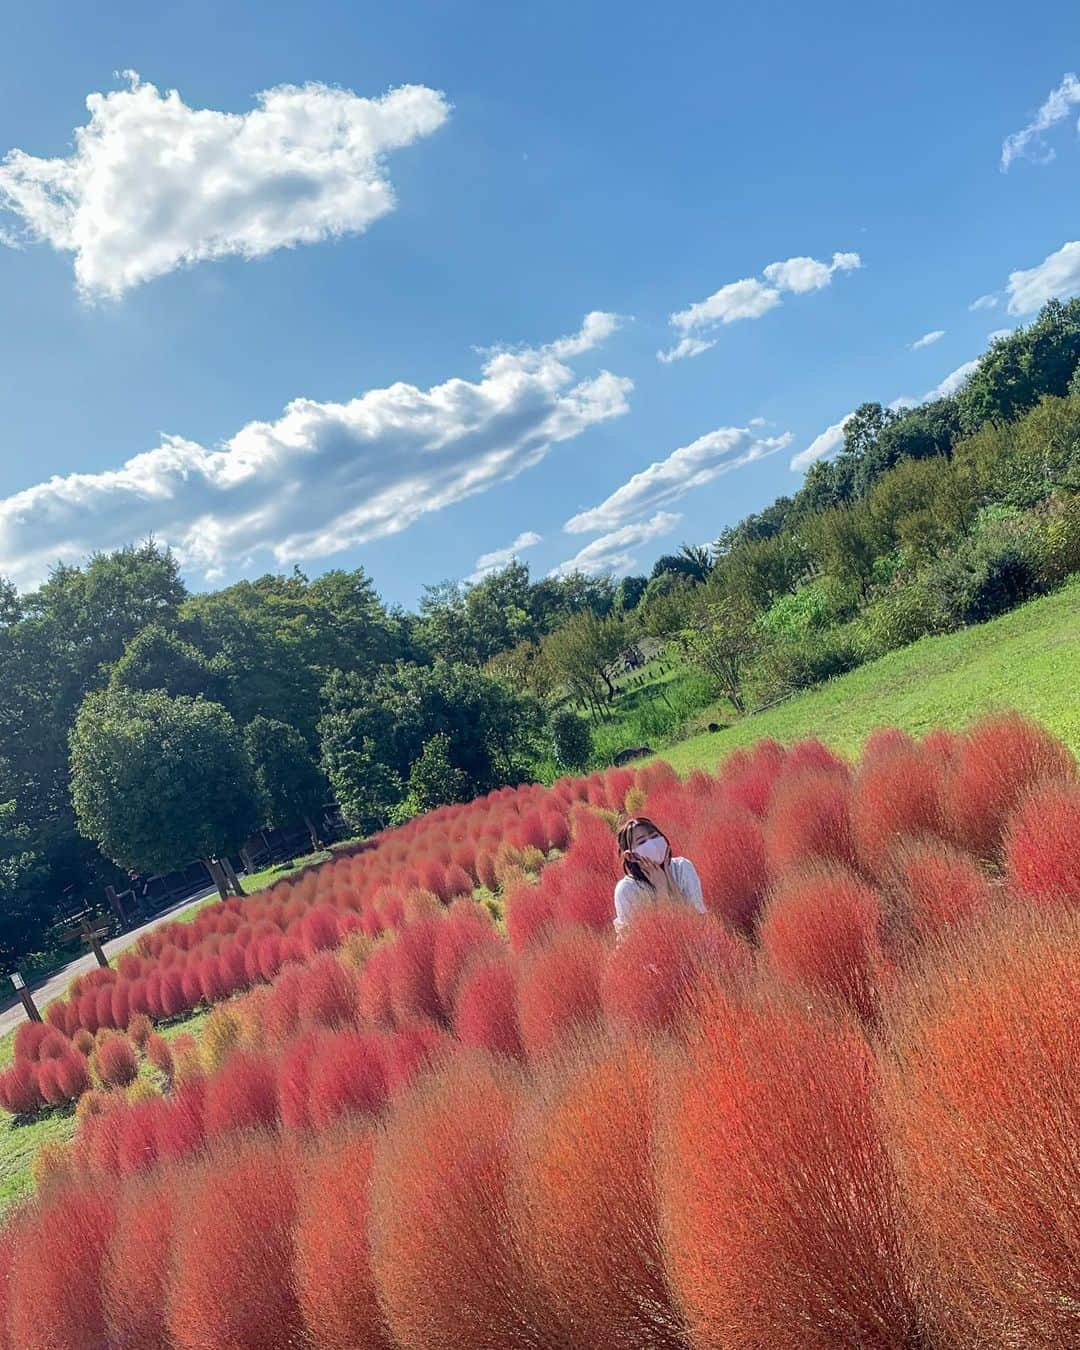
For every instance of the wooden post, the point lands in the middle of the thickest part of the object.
(93, 936)
(26, 997)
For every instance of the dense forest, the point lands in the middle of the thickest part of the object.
(142, 726)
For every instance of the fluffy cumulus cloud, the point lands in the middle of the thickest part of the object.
(1056, 277)
(928, 339)
(153, 184)
(750, 298)
(1028, 142)
(666, 480)
(615, 552)
(824, 446)
(321, 478)
(499, 557)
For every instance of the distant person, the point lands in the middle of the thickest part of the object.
(653, 876)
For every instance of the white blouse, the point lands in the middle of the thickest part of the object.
(632, 895)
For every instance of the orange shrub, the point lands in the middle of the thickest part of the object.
(137, 1264)
(985, 1118)
(114, 1060)
(937, 887)
(559, 989)
(728, 850)
(486, 1016)
(809, 821)
(1043, 846)
(896, 798)
(778, 1198)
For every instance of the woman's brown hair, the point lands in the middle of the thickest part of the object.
(631, 866)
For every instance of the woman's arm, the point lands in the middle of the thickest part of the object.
(687, 883)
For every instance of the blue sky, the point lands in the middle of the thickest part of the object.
(412, 271)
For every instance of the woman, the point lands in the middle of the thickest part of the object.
(653, 876)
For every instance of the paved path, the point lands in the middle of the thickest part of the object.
(56, 984)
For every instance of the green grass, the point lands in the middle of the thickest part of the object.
(1027, 660)
(653, 713)
(19, 1143)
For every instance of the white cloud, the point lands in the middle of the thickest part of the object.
(687, 347)
(984, 302)
(951, 383)
(999, 333)
(823, 446)
(928, 339)
(153, 184)
(498, 558)
(1057, 276)
(1028, 141)
(597, 327)
(321, 478)
(751, 298)
(691, 466)
(612, 552)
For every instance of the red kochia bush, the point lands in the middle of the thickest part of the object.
(809, 821)
(447, 1268)
(728, 850)
(559, 989)
(231, 1286)
(327, 993)
(1043, 846)
(19, 1092)
(530, 915)
(777, 1194)
(347, 1074)
(242, 1093)
(465, 934)
(486, 1015)
(938, 887)
(137, 1264)
(997, 763)
(657, 961)
(585, 1201)
(981, 1094)
(115, 1060)
(822, 932)
(896, 797)
(334, 1279)
(56, 1292)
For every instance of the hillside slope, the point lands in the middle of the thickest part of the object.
(1028, 659)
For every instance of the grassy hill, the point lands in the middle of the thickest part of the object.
(1029, 660)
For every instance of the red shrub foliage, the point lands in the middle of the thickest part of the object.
(328, 994)
(19, 1091)
(465, 935)
(55, 1296)
(115, 1061)
(441, 1221)
(375, 1001)
(728, 850)
(530, 916)
(137, 1265)
(159, 1054)
(242, 1093)
(779, 1202)
(663, 952)
(996, 764)
(559, 989)
(822, 932)
(897, 797)
(411, 1050)
(30, 1037)
(486, 1015)
(748, 777)
(981, 1095)
(809, 821)
(938, 887)
(334, 1280)
(231, 1285)
(585, 1203)
(1043, 846)
(347, 1075)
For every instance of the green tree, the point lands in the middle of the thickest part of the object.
(24, 912)
(571, 740)
(434, 779)
(289, 784)
(722, 639)
(628, 593)
(583, 652)
(157, 781)
(158, 659)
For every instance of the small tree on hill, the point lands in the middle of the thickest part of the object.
(289, 784)
(157, 781)
(434, 779)
(571, 740)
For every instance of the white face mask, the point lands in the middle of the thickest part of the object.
(654, 849)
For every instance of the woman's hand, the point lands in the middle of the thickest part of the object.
(657, 877)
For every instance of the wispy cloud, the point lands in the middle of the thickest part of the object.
(1056, 277)
(951, 383)
(665, 481)
(984, 302)
(153, 184)
(321, 478)
(828, 443)
(614, 552)
(498, 558)
(750, 298)
(928, 339)
(1028, 142)
(999, 333)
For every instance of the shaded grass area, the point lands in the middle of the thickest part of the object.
(1028, 660)
(655, 712)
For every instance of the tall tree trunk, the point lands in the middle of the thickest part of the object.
(232, 878)
(610, 687)
(217, 876)
(316, 842)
